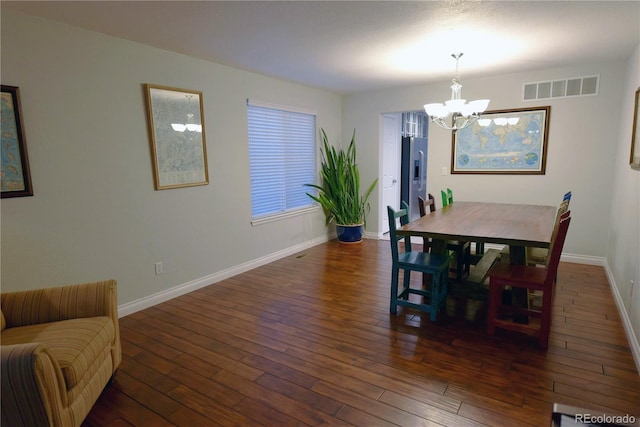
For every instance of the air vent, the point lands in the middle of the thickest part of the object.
(577, 86)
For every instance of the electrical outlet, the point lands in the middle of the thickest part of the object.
(444, 170)
(159, 268)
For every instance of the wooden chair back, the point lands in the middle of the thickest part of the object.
(422, 204)
(563, 212)
(555, 250)
(403, 215)
(447, 197)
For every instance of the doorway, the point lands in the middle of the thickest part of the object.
(395, 127)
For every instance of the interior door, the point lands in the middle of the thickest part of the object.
(390, 166)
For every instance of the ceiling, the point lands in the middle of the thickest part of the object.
(352, 46)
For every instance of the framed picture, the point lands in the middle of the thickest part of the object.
(15, 177)
(503, 142)
(634, 159)
(176, 131)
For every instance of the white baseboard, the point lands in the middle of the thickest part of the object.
(624, 316)
(176, 291)
(374, 236)
(584, 259)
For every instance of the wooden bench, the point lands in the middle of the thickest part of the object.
(479, 272)
(468, 299)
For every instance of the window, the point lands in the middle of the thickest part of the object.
(282, 158)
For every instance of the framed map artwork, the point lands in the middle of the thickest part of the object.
(15, 177)
(176, 131)
(503, 142)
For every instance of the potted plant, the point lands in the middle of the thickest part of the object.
(339, 192)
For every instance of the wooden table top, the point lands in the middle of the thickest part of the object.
(509, 224)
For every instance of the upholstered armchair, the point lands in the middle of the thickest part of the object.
(60, 347)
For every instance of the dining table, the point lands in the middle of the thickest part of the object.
(516, 225)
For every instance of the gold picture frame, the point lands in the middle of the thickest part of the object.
(634, 158)
(177, 136)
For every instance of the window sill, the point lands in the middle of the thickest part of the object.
(283, 215)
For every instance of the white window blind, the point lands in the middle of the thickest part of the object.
(282, 158)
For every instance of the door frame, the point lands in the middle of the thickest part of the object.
(383, 225)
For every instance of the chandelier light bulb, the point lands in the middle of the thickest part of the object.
(189, 126)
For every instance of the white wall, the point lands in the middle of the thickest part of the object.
(623, 248)
(95, 213)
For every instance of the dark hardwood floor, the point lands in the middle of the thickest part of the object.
(309, 340)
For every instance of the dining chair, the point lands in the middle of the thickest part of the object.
(422, 207)
(533, 279)
(430, 202)
(447, 197)
(538, 256)
(436, 265)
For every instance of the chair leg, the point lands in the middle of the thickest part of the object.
(406, 283)
(394, 290)
(435, 293)
(112, 379)
(463, 262)
(467, 260)
(495, 296)
(444, 287)
(459, 264)
(545, 320)
(439, 292)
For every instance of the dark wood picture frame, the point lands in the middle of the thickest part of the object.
(15, 179)
(634, 157)
(513, 149)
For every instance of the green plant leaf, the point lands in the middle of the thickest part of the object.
(339, 192)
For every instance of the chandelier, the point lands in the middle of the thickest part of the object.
(455, 113)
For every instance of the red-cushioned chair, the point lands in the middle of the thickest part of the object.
(531, 278)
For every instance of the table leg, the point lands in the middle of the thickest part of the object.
(439, 246)
(517, 255)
